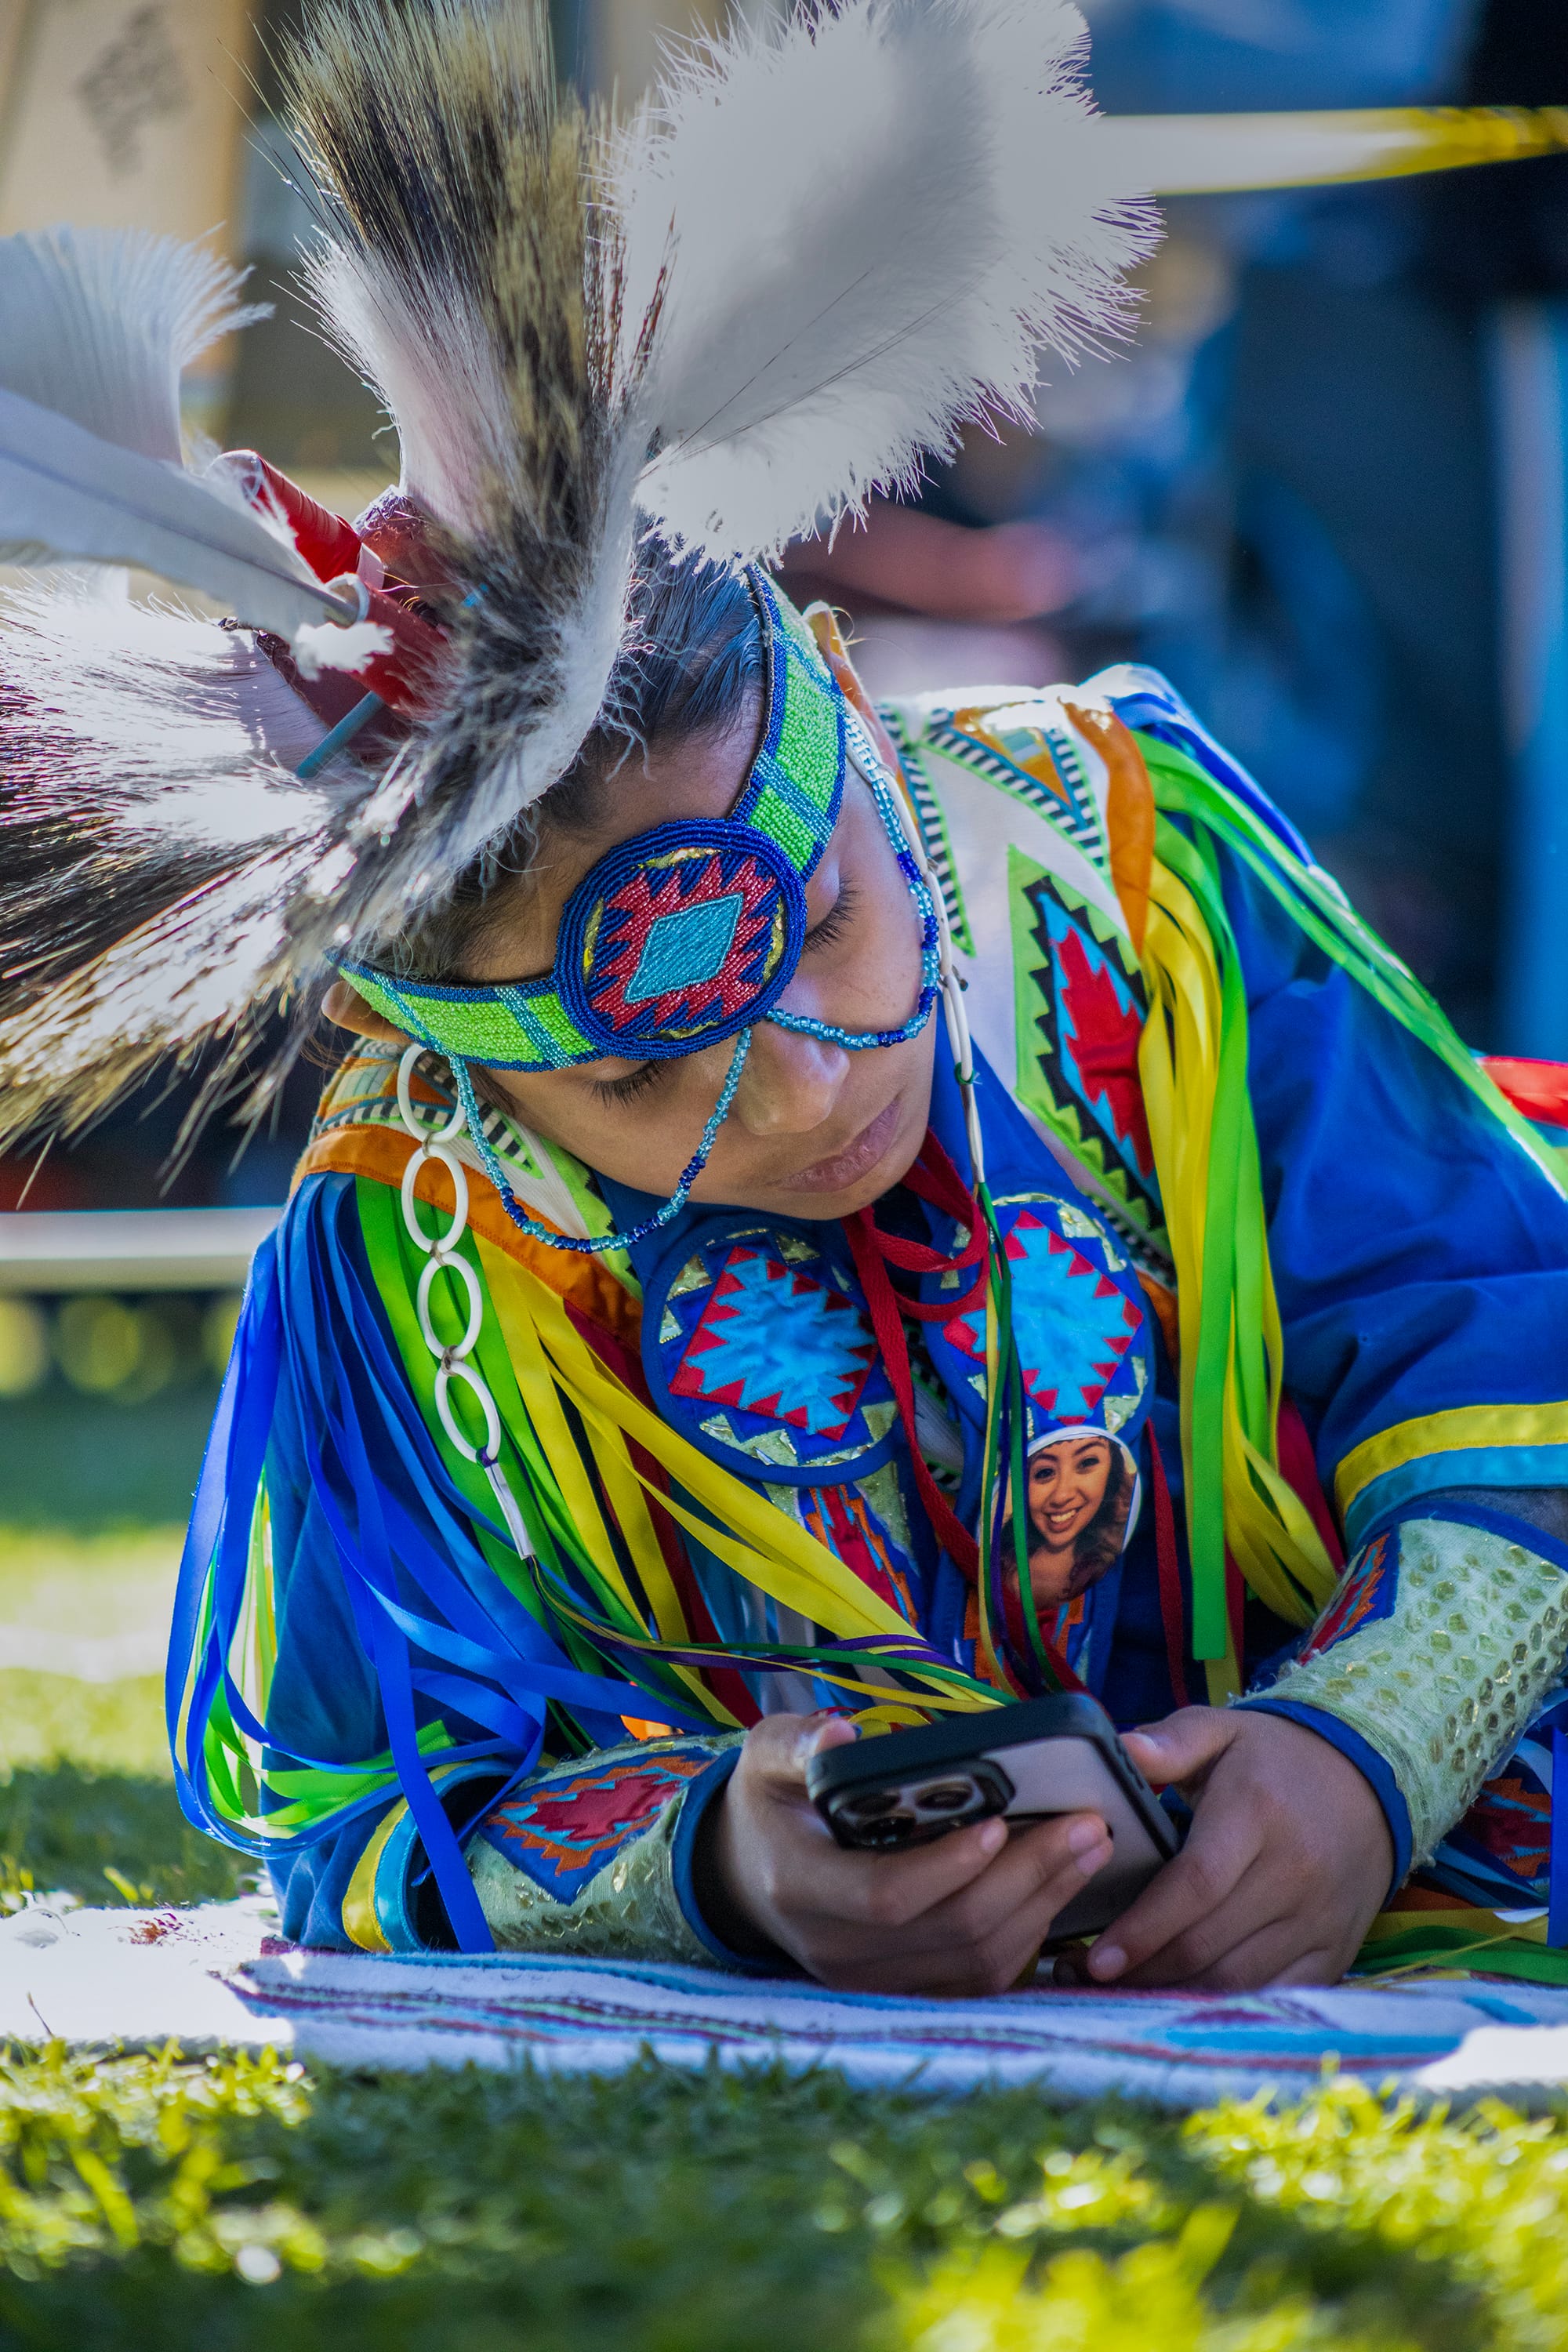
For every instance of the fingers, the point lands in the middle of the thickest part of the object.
(843, 1895)
(1183, 1746)
(780, 1747)
(1185, 1904)
(982, 1938)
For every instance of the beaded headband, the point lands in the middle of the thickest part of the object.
(683, 935)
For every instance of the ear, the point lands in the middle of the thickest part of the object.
(347, 1007)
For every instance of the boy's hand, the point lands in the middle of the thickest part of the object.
(1288, 1862)
(966, 1915)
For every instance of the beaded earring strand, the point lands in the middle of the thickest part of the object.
(590, 1244)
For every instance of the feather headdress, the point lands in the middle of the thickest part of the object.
(814, 253)
(810, 256)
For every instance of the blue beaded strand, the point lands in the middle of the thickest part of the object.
(596, 1247)
(854, 1041)
(860, 1041)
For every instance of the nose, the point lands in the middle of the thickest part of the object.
(790, 1084)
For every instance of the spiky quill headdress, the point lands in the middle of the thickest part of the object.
(810, 258)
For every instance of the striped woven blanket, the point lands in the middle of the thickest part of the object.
(217, 1975)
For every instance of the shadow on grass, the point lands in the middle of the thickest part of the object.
(658, 2211)
(68, 1827)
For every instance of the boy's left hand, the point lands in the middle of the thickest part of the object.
(1288, 1862)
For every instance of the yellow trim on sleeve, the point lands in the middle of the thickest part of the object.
(1463, 1426)
(359, 1920)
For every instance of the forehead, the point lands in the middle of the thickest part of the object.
(694, 776)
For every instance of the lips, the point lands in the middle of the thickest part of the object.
(856, 1160)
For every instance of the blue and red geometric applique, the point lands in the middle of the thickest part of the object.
(1074, 1325)
(773, 1340)
(1367, 1595)
(1099, 1022)
(563, 1830)
(1510, 1826)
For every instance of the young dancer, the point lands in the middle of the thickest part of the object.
(775, 1130)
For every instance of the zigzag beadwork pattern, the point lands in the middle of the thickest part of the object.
(1013, 757)
(932, 825)
(1093, 1105)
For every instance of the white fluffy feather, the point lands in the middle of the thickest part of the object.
(177, 730)
(860, 229)
(95, 329)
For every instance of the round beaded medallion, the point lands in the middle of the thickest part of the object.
(679, 938)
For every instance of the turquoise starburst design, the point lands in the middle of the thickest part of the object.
(1072, 1324)
(773, 1341)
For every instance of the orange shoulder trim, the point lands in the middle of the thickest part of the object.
(1129, 815)
(380, 1154)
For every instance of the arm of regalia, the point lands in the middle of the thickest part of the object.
(1417, 1237)
(1376, 1237)
(595, 1856)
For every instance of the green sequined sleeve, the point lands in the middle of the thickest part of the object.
(1439, 1647)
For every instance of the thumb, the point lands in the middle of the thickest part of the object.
(780, 1747)
(1183, 1746)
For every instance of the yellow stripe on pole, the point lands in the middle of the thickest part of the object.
(1219, 155)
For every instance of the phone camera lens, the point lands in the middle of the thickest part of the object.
(870, 1807)
(946, 1796)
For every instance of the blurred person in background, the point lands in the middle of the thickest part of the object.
(1288, 496)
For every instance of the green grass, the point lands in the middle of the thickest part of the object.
(87, 1797)
(242, 2203)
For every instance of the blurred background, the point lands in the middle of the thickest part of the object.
(1324, 491)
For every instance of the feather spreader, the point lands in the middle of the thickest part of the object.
(466, 271)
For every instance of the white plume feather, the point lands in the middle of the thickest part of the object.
(66, 496)
(94, 330)
(856, 233)
(157, 840)
(99, 324)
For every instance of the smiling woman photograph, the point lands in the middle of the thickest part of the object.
(766, 1129)
(1079, 1492)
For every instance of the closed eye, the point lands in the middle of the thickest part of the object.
(636, 1082)
(835, 922)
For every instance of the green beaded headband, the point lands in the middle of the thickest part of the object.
(683, 935)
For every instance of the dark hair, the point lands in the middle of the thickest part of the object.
(1097, 1547)
(693, 659)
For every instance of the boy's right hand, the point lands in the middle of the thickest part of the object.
(966, 1915)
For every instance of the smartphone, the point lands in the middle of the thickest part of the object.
(1045, 1755)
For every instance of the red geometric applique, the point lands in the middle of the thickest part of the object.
(1510, 1820)
(1099, 1038)
(562, 1830)
(1366, 1595)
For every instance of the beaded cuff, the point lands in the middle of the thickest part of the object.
(582, 1858)
(1438, 1646)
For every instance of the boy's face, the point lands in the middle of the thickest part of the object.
(813, 1132)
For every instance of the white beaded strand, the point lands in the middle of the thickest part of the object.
(865, 754)
(442, 1255)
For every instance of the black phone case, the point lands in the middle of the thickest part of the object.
(979, 1744)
